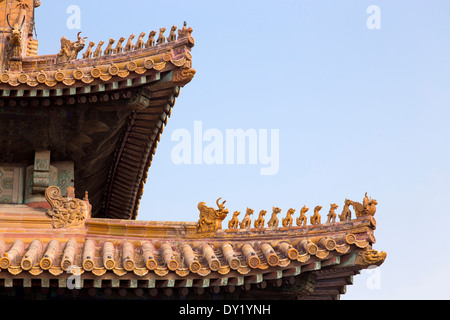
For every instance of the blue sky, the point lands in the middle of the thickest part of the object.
(357, 110)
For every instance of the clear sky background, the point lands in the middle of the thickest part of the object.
(358, 110)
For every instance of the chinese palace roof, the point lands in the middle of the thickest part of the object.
(79, 130)
(176, 259)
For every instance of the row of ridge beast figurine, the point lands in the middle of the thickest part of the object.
(210, 216)
(130, 46)
(70, 49)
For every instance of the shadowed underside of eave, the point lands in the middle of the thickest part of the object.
(134, 155)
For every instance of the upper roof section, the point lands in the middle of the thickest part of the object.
(80, 60)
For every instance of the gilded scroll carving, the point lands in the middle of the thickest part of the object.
(66, 212)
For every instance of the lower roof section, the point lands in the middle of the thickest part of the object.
(171, 259)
